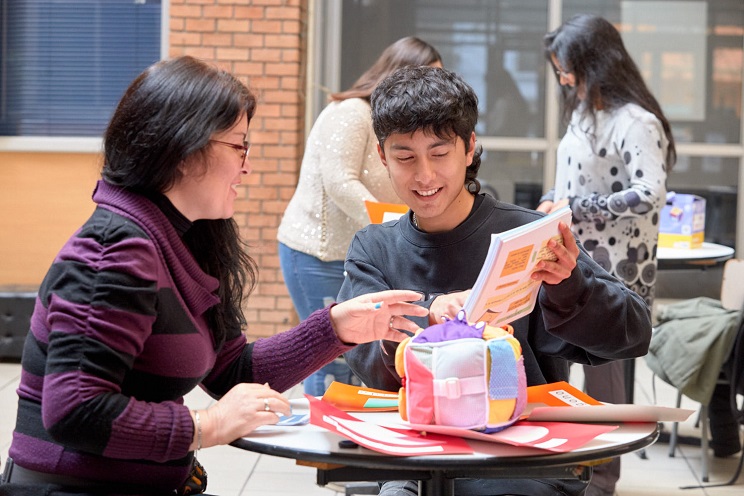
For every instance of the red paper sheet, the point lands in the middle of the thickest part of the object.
(404, 442)
(559, 437)
(412, 439)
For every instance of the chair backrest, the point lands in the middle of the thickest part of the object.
(732, 285)
(732, 298)
(734, 370)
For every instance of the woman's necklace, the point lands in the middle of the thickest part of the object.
(415, 220)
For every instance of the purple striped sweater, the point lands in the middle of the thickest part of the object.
(118, 337)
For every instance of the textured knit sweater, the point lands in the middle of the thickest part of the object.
(119, 336)
(340, 170)
(589, 318)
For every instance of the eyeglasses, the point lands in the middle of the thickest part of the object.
(561, 73)
(244, 149)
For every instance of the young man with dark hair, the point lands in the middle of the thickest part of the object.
(424, 119)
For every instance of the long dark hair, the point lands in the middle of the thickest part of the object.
(408, 51)
(590, 48)
(167, 115)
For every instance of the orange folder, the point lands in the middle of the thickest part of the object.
(559, 394)
(360, 399)
(382, 212)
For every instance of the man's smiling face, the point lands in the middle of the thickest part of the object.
(428, 174)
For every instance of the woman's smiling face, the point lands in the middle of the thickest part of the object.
(207, 188)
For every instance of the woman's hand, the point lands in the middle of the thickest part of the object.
(238, 413)
(376, 316)
(566, 253)
(549, 207)
(445, 307)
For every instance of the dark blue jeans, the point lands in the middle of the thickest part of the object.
(314, 284)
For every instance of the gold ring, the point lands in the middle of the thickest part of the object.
(390, 324)
(267, 408)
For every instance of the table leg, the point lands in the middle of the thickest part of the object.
(438, 485)
(629, 379)
(630, 392)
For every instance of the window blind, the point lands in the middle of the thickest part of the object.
(65, 64)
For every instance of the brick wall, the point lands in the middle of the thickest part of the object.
(263, 42)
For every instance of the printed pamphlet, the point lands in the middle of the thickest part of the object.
(504, 290)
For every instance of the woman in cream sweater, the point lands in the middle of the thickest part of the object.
(340, 170)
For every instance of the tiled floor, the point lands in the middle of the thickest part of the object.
(233, 472)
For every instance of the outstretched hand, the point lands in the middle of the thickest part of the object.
(376, 316)
(566, 253)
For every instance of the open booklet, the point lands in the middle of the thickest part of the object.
(504, 290)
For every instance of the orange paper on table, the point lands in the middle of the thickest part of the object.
(545, 403)
(360, 399)
(559, 394)
(561, 402)
(382, 212)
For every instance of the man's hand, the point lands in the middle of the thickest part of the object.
(566, 253)
(445, 307)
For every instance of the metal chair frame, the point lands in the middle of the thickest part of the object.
(732, 298)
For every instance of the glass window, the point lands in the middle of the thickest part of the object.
(690, 54)
(514, 177)
(689, 51)
(495, 45)
(64, 64)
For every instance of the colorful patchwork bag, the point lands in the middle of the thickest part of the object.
(462, 375)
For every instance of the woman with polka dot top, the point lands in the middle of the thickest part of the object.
(612, 166)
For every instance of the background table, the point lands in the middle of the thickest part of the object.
(710, 254)
(318, 447)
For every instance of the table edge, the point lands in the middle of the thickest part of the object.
(438, 462)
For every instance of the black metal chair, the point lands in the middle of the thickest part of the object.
(732, 374)
(732, 300)
(16, 308)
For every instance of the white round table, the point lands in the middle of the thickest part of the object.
(315, 446)
(709, 254)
